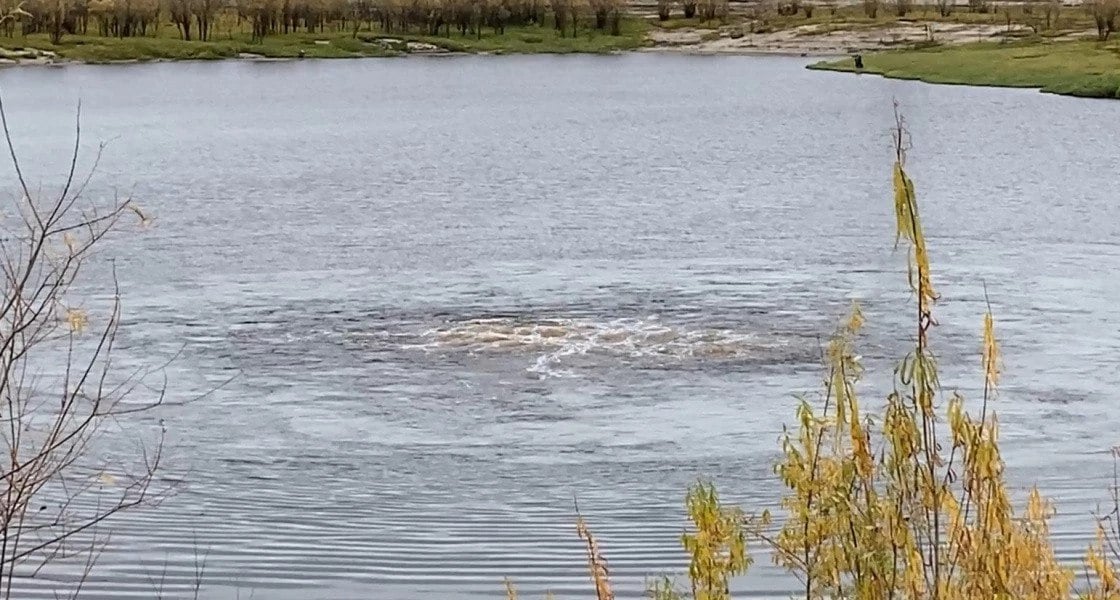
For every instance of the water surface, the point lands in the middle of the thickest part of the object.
(455, 293)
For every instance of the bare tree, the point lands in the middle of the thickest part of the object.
(204, 11)
(1051, 9)
(59, 390)
(600, 9)
(979, 6)
(576, 9)
(361, 11)
(263, 15)
(181, 12)
(561, 9)
(56, 13)
(1104, 14)
(12, 11)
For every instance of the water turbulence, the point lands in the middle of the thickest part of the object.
(558, 347)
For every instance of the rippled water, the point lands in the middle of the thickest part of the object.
(455, 293)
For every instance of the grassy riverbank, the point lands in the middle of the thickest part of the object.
(1076, 68)
(95, 49)
(166, 45)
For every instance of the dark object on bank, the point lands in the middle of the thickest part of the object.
(301, 53)
(859, 61)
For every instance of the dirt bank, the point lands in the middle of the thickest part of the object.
(822, 39)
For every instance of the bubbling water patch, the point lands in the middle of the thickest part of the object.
(561, 343)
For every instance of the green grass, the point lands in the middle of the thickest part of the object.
(1075, 68)
(166, 45)
(96, 49)
(535, 40)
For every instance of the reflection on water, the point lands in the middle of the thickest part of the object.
(453, 294)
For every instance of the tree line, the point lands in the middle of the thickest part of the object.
(198, 19)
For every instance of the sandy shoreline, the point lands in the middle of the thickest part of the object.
(821, 40)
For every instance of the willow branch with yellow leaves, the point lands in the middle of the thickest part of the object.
(596, 562)
(872, 509)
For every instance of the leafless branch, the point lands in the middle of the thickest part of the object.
(48, 421)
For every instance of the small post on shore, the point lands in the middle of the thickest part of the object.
(859, 61)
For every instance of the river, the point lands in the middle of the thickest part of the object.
(452, 294)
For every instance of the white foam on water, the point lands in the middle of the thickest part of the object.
(557, 341)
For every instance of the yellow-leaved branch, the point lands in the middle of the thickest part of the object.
(884, 504)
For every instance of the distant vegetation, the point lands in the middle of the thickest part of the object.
(1037, 16)
(903, 498)
(102, 30)
(203, 20)
(116, 30)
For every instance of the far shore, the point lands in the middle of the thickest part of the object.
(1007, 46)
(810, 40)
(59, 62)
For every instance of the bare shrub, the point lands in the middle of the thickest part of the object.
(59, 389)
